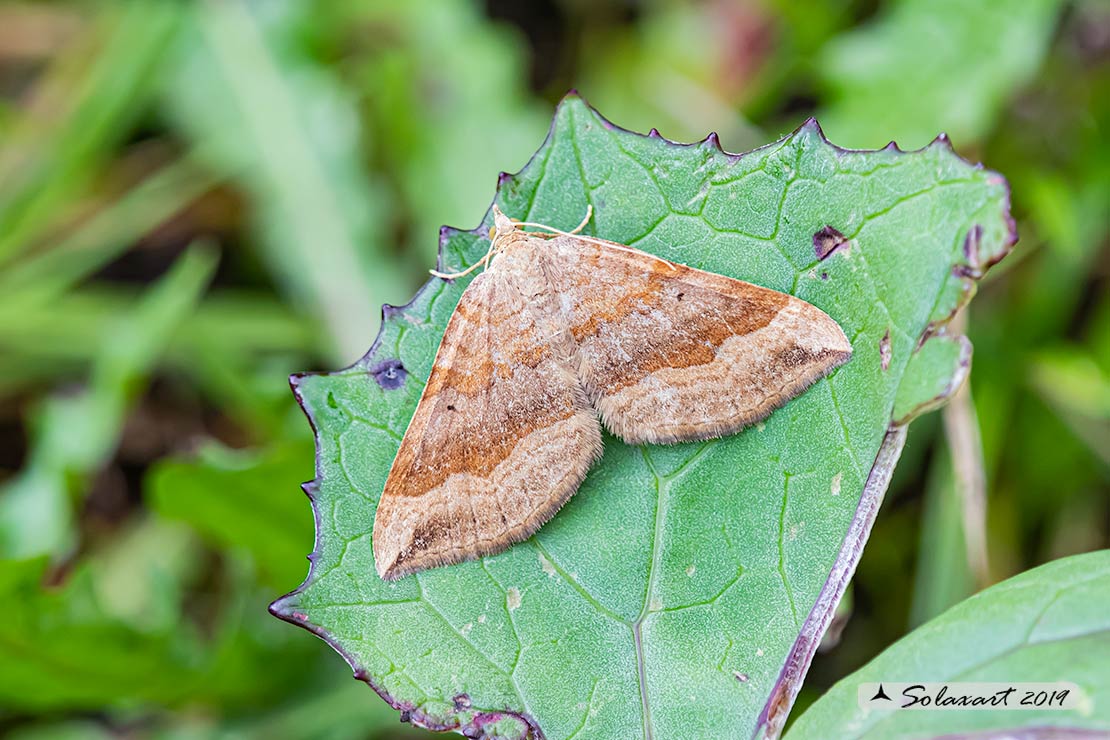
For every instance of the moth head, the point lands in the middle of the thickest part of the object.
(502, 225)
(501, 234)
(504, 231)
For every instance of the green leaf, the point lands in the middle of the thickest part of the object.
(46, 275)
(1072, 383)
(261, 112)
(683, 590)
(112, 636)
(925, 66)
(73, 435)
(223, 488)
(86, 105)
(1051, 623)
(942, 576)
(480, 105)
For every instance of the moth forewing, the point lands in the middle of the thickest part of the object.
(502, 435)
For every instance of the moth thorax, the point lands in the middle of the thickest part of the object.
(504, 242)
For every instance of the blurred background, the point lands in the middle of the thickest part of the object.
(197, 199)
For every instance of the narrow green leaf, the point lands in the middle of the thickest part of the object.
(52, 339)
(105, 235)
(483, 105)
(337, 712)
(86, 106)
(263, 114)
(941, 576)
(65, 730)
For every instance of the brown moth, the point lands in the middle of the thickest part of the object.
(558, 331)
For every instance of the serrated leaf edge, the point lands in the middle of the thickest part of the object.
(773, 716)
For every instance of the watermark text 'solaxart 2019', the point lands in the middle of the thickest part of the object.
(969, 695)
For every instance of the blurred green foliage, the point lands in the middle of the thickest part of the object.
(197, 199)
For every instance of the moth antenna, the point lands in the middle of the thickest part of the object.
(497, 234)
(590, 239)
(589, 214)
(576, 232)
(452, 275)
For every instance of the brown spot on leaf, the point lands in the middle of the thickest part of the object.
(778, 705)
(826, 241)
(884, 351)
(971, 244)
(970, 269)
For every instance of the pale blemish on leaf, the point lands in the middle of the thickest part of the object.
(547, 567)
